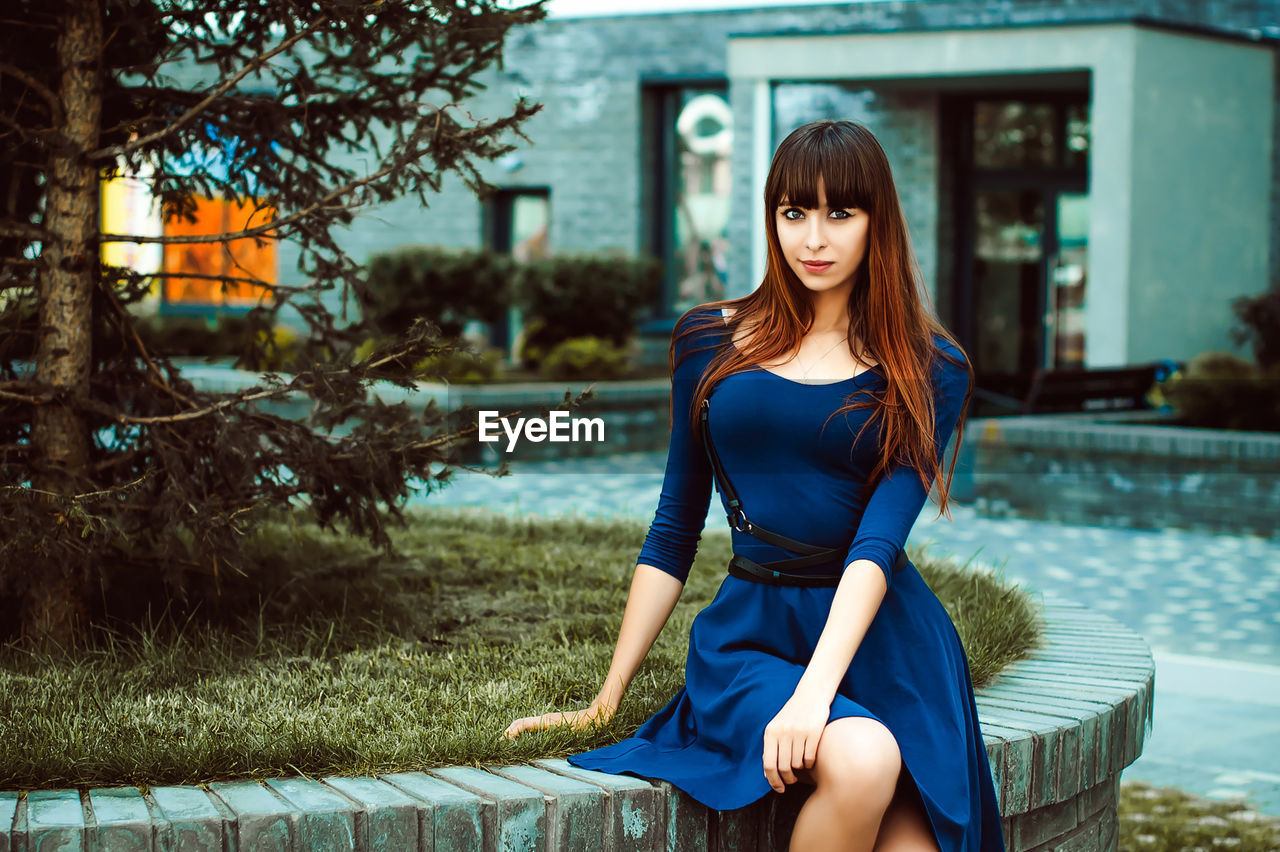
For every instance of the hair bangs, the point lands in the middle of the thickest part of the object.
(831, 156)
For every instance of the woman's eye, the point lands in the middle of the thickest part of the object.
(844, 214)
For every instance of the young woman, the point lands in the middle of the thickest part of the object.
(820, 405)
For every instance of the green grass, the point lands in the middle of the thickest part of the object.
(1166, 819)
(333, 659)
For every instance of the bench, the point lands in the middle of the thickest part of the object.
(1084, 389)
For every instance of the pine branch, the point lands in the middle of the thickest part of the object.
(22, 397)
(128, 328)
(103, 492)
(190, 115)
(22, 231)
(49, 96)
(233, 279)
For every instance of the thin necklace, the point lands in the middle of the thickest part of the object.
(805, 374)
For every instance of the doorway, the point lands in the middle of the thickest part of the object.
(1021, 214)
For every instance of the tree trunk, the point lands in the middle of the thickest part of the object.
(56, 597)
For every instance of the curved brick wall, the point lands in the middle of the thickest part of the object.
(1059, 727)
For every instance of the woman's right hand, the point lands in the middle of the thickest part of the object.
(578, 719)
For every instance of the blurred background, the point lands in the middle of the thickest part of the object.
(1093, 196)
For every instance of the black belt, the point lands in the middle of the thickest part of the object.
(767, 572)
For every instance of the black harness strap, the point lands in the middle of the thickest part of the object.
(748, 569)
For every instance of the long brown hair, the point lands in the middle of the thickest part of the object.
(889, 310)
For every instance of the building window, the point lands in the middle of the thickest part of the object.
(690, 191)
(1076, 153)
(517, 222)
(192, 283)
(128, 207)
(202, 278)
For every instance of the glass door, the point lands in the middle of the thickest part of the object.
(1068, 273)
(1008, 253)
(1014, 239)
(1021, 221)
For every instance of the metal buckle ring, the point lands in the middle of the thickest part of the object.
(736, 524)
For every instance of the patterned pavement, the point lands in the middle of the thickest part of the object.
(1208, 605)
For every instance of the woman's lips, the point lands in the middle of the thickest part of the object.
(816, 267)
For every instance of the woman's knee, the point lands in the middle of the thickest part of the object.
(860, 755)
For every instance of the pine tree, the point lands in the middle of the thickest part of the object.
(107, 453)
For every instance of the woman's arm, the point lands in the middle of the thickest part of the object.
(674, 533)
(664, 561)
(857, 599)
(672, 540)
(791, 737)
(887, 520)
(653, 596)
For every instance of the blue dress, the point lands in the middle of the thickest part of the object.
(749, 646)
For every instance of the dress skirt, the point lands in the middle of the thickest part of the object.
(747, 651)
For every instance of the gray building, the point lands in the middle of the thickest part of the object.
(1086, 183)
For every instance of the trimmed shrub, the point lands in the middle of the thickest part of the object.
(223, 336)
(462, 366)
(447, 286)
(1260, 325)
(277, 350)
(583, 295)
(1220, 390)
(585, 357)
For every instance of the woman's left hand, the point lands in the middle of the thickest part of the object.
(791, 739)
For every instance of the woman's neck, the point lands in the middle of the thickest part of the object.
(830, 317)
(831, 309)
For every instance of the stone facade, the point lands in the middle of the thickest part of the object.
(588, 148)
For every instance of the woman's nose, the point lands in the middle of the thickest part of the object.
(814, 240)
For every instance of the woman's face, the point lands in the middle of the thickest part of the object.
(837, 236)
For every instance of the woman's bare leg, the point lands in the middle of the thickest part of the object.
(905, 827)
(855, 775)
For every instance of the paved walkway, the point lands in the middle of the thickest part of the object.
(1208, 605)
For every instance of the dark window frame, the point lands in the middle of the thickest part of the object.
(660, 104)
(495, 233)
(968, 179)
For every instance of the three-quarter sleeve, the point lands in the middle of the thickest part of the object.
(672, 540)
(900, 495)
